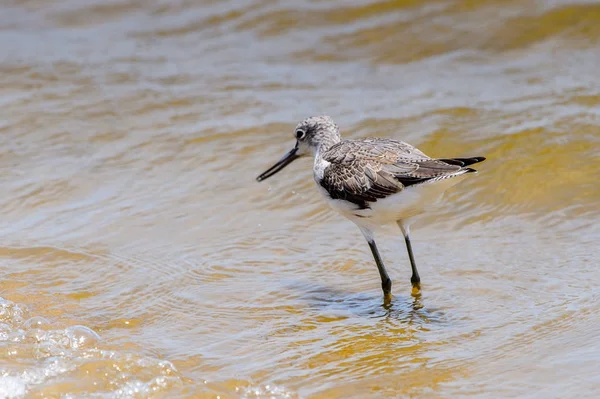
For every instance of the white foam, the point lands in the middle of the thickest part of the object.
(11, 387)
(44, 351)
(267, 392)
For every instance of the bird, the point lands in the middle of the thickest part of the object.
(374, 181)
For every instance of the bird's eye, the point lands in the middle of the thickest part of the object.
(300, 134)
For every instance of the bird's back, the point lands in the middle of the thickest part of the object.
(370, 170)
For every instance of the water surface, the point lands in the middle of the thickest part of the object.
(139, 258)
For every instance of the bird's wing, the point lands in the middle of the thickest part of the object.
(362, 171)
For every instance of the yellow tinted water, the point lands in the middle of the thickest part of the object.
(139, 257)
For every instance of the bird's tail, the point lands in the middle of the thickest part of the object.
(463, 161)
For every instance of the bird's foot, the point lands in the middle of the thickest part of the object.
(386, 286)
(387, 299)
(416, 289)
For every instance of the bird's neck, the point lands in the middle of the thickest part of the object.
(325, 144)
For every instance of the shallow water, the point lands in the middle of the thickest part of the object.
(139, 258)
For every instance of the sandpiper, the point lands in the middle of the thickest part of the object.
(374, 181)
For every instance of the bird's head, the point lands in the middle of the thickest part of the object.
(312, 135)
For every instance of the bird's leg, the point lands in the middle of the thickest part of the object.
(386, 282)
(414, 279)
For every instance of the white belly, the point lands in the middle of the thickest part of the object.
(409, 202)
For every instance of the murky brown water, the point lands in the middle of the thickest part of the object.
(140, 259)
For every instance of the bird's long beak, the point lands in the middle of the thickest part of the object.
(283, 162)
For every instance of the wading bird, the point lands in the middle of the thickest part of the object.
(374, 181)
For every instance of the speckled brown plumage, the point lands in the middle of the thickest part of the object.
(362, 171)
